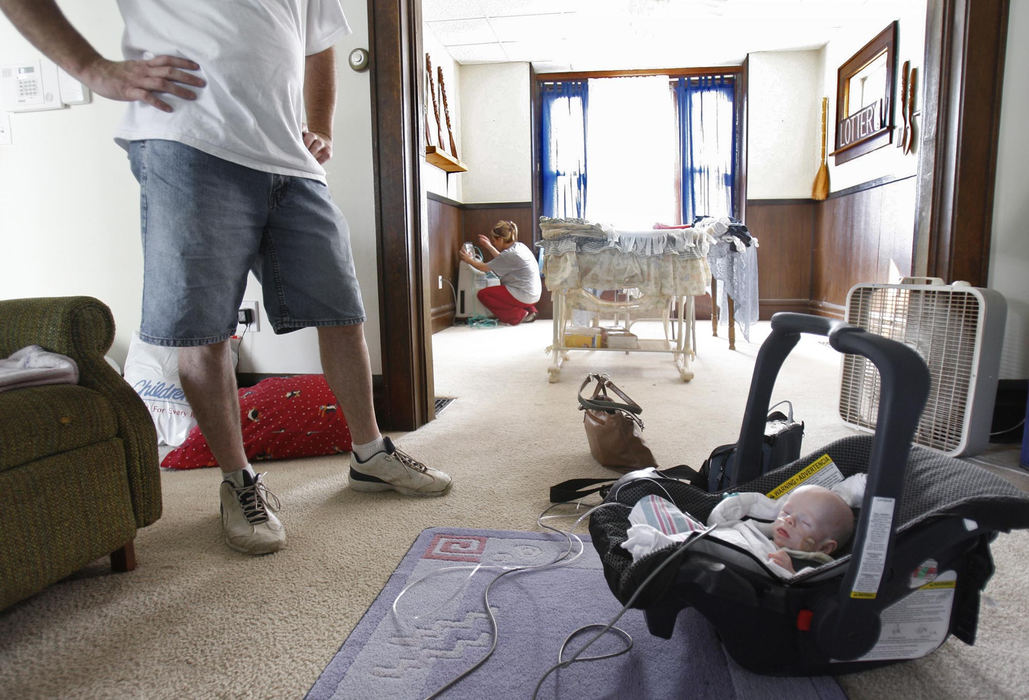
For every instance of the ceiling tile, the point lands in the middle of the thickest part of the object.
(478, 53)
(504, 8)
(433, 10)
(529, 51)
(531, 28)
(647, 33)
(463, 31)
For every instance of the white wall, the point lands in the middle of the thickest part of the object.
(69, 221)
(1009, 251)
(785, 100)
(497, 141)
(888, 160)
(784, 123)
(435, 179)
(69, 212)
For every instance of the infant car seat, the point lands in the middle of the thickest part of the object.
(918, 560)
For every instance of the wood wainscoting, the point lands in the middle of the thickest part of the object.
(812, 252)
(452, 223)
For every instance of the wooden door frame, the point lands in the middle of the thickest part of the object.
(965, 40)
(957, 165)
(404, 394)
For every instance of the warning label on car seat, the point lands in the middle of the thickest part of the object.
(822, 472)
(873, 551)
(916, 624)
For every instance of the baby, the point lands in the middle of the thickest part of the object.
(811, 519)
(801, 530)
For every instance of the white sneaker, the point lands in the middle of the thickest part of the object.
(248, 518)
(393, 469)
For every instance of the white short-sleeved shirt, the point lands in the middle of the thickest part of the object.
(252, 56)
(519, 272)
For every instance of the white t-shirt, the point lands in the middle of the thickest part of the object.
(252, 56)
(519, 272)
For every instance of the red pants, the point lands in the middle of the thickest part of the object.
(503, 305)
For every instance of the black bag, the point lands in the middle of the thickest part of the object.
(781, 445)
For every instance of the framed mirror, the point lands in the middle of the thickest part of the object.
(864, 97)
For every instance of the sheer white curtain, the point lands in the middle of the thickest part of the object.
(631, 148)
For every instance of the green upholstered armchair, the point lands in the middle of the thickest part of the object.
(79, 470)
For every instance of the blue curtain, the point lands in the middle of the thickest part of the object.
(563, 148)
(707, 145)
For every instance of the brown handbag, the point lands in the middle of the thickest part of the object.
(614, 429)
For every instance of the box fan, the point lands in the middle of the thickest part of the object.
(958, 330)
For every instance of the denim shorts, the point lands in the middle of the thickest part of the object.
(207, 222)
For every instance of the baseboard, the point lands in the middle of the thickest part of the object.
(768, 307)
(824, 308)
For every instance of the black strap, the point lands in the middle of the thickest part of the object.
(605, 404)
(576, 489)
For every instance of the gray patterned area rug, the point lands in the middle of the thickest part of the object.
(415, 645)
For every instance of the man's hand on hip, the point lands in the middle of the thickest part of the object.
(319, 145)
(143, 81)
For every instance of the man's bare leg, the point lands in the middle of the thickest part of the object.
(348, 371)
(209, 380)
(344, 356)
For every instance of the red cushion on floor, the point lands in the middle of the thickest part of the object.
(282, 417)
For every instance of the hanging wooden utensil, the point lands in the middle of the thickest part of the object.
(435, 104)
(905, 128)
(909, 140)
(820, 190)
(446, 113)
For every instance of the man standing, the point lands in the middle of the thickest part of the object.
(231, 181)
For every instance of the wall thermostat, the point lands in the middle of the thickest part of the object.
(359, 60)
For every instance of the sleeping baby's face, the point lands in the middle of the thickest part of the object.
(808, 520)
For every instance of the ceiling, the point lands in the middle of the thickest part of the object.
(576, 35)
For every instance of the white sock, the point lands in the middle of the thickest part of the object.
(236, 477)
(367, 450)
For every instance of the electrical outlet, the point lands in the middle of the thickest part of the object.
(249, 318)
(439, 282)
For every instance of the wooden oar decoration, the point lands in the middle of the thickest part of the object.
(820, 188)
(435, 104)
(446, 113)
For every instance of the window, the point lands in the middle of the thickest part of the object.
(707, 145)
(563, 148)
(634, 151)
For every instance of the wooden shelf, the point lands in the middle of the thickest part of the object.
(443, 160)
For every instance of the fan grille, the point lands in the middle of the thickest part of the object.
(943, 327)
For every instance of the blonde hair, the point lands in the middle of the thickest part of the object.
(506, 231)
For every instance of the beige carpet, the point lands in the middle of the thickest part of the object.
(196, 620)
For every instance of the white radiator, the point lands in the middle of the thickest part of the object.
(469, 282)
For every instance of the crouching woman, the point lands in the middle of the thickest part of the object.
(513, 300)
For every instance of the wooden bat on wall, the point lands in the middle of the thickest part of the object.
(446, 113)
(435, 104)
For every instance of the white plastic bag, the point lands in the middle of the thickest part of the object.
(153, 371)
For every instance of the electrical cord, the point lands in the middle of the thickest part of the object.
(482, 321)
(563, 559)
(1016, 426)
(610, 625)
(453, 291)
(246, 327)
